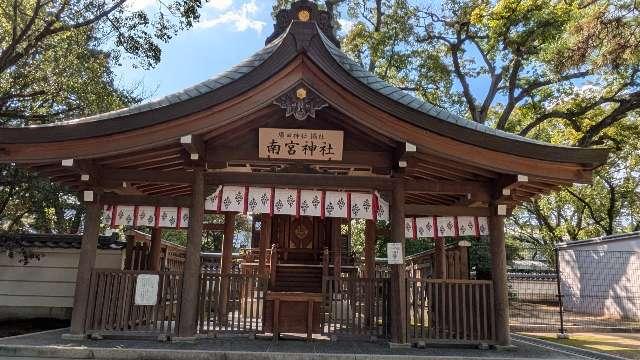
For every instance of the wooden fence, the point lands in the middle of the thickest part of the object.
(450, 311)
(111, 307)
(231, 303)
(356, 306)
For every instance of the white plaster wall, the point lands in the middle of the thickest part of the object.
(47, 283)
(601, 283)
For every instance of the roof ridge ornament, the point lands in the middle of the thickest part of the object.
(305, 11)
(301, 102)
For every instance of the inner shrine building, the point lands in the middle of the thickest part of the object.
(305, 140)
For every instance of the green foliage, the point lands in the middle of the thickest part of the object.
(30, 202)
(55, 63)
(357, 237)
(562, 72)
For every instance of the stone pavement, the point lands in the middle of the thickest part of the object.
(49, 345)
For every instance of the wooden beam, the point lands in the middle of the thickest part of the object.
(224, 154)
(147, 176)
(145, 200)
(346, 182)
(319, 181)
(194, 145)
(448, 187)
(444, 210)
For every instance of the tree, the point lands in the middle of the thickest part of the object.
(55, 63)
(563, 72)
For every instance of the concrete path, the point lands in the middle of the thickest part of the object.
(49, 345)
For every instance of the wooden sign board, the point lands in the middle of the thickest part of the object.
(147, 289)
(394, 254)
(300, 144)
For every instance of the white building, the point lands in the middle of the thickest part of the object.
(45, 287)
(601, 276)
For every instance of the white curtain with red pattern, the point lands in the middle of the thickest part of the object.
(295, 202)
(443, 226)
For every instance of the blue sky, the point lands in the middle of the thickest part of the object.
(229, 31)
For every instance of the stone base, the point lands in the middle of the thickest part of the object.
(185, 339)
(74, 337)
(562, 336)
(505, 347)
(393, 345)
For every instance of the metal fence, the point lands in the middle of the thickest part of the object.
(587, 290)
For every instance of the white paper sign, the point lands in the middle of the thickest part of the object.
(147, 289)
(394, 254)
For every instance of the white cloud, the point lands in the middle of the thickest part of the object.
(220, 5)
(135, 5)
(241, 18)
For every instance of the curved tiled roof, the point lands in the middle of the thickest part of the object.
(61, 241)
(301, 38)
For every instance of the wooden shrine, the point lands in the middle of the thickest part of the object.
(305, 140)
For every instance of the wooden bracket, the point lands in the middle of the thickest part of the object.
(89, 173)
(195, 146)
(404, 151)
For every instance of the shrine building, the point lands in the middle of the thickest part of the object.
(304, 140)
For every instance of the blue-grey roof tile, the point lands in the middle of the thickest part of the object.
(387, 90)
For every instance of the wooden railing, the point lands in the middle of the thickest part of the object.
(421, 265)
(450, 311)
(356, 306)
(138, 253)
(111, 307)
(172, 258)
(231, 303)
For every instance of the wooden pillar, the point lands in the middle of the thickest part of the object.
(191, 274)
(156, 249)
(265, 241)
(336, 244)
(369, 267)
(499, 276)
(273, 265)
(86, 265)
(254, 243)
(128, 254)
(463, 250)
(370, 249)
(440, 268)
(398, 273)
(226, 262)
